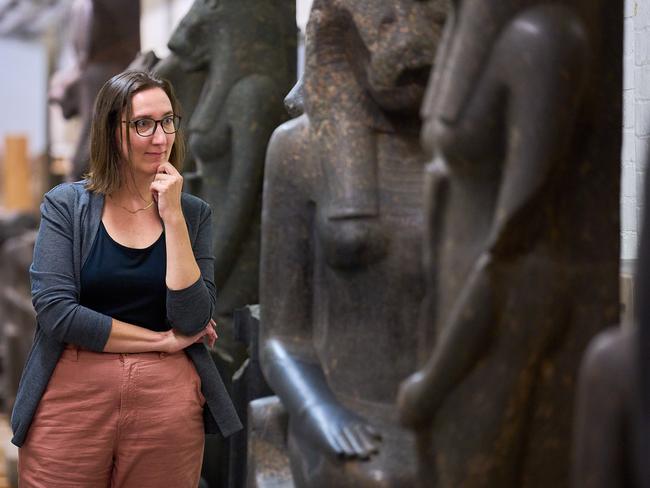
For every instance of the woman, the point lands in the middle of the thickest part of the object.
(122, 286)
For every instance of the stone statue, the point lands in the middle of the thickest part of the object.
(612, 433)
(341, 283)
(106, 38)
(523, 125)
(247, 48)
(17, 316)
(18, 319)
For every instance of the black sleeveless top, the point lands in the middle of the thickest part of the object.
(126, 284)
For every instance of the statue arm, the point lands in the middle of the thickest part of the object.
(540, 62)
(254, 109)
(288, 358)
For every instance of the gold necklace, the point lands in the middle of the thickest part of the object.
(133, 212)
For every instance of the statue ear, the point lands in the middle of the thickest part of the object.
(343, 118)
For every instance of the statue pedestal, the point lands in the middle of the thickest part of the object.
(268, 460)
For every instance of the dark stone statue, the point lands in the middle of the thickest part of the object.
(106, 38)
(612, 415)
(248, 384)
(17, 316)
(341, 279)
(523, 126)
(247, 50)
(612, 431)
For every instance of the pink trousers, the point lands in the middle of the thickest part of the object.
(116, 420)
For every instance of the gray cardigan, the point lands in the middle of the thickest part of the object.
(70, 217)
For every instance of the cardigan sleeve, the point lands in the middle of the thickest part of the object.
(190, 309)
(55, 294)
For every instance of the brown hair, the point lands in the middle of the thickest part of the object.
(112, 103)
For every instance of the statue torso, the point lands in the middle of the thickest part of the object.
(366, 303)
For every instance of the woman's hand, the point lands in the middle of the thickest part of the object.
(210, 333)
(175, 341)
(166, 189)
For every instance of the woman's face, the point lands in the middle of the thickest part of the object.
(148, 152)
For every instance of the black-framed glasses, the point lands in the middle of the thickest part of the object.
(145, 127)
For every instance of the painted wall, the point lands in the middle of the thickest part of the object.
(23, 92)
(159, 18)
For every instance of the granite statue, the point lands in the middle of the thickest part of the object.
(523, 130)
(17, 316)
(247, 50)
(612, 424)
(106, 37)
(341, 281)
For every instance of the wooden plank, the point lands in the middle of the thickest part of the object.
(17, 187)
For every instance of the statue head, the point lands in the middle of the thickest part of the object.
(367, 64)
(476, 25)
(387, 47)
(241, 35)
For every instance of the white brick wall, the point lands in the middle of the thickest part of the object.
(636, 120)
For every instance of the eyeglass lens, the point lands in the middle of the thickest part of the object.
(146, 126)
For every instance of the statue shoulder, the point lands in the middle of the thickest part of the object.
(544, 38)
(288, 155)
(609, 360)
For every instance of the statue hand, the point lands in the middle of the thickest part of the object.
(416, 402)
(337, 431)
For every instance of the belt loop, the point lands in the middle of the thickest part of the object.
(76, 353)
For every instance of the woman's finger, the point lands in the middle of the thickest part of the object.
(163, 177)
(211, 332)
(211, 335)
(167, 168)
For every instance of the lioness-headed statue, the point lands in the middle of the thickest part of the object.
(341, 280)
(247, 48)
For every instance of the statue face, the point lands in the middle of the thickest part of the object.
(199, 31)
(396, 42)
